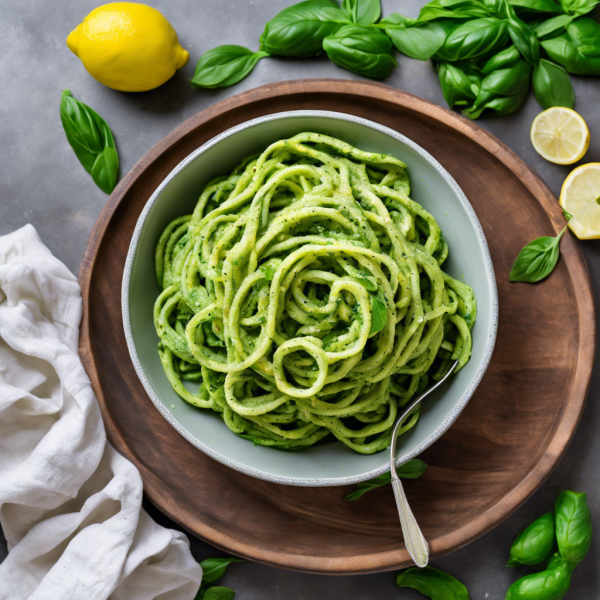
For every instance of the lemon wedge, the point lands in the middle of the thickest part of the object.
(560, 135)
(580, 197)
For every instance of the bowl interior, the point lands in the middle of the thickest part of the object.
(469, 261)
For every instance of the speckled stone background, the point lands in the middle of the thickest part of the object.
(42, 183)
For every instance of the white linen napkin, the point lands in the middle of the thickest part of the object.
(70, 505)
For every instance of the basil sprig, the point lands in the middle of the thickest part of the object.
(485, 51)
(225, 65)
(212, 570)
(91, 140)
(571, 526)
(537, 259)
(503, 90)
(551, 584)
(413, 469)
(433, 583)
(578, 49)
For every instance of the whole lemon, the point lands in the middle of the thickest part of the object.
(128, 47)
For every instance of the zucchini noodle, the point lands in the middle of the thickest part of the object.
(305, 296)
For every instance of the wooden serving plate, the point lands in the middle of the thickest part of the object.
(502, 447)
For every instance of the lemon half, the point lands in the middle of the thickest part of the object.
(128, 47)
(560, 135)
(580, 196)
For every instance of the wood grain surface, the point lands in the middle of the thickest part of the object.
(502, 447)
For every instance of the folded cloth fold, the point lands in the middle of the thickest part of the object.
(70, 505)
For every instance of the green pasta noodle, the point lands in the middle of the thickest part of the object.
(305, 297)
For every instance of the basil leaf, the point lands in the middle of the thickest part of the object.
(452, 9)
(105, 169)
(551, 584)
(217, 592)
(363, 12)
(361, 49)
(474, 38)
(534, 544)
(225, 65)
(91, 140)
(578, 7)
(299, 30)
(552, 27)
(537, 259)
(458, 88)
(215, 568)
(535, 6)
(552, 86)
(433, 583)
(578, 49)
(567, 215)
(420, 41)
(503, 90)
(396, 19)
(413, 469)
(524, 39)
(573, 526)
(367, 486)
(378, 315)
(503, 60)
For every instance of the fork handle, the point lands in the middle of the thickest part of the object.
(415, 541)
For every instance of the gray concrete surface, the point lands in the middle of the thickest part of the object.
(42, 183)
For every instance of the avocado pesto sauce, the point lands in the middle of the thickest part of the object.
(305, 296)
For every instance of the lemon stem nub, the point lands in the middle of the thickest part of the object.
(73, 41)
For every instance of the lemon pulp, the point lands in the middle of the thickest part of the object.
(580, 196)
(560, 135)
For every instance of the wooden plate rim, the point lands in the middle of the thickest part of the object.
(571, 254)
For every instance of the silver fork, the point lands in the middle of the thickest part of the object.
(415, 541)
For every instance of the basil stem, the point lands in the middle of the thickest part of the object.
(413, 469)
(537, 259)
(91, 140)
(433, 583)
(225, 65)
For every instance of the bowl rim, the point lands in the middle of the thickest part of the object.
(297, 481)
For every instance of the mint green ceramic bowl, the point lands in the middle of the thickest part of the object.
(328, 464)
